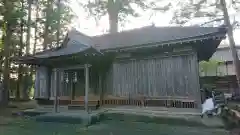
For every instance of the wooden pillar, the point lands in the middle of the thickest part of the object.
(56, 89)
(86, 66)
(49, 79)
(101, 89)
(226, 65)
(198, 89)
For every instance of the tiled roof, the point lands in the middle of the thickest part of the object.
(77, 42)
(150, 34)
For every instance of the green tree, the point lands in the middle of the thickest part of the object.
(16, 20)
(48, 12)
(7, 33)
(20, 52)
(209, 66)
(29, 25)
(13, 26)
(206, 67)
(36, 33)
(50, 23)
(118, 10)
(215, 10)
(188, 10)
(227, 22)
(28, 76)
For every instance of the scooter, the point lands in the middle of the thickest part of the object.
(216, 101)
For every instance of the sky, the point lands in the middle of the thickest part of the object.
(88, 26)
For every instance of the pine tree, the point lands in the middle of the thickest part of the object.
(118, 10)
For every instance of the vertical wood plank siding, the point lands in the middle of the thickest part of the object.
(41, 83)
(108, 82)
(160, 77)
(64, 88)
(171, 77)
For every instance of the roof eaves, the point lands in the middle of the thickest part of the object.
(52, 55)
(217, 35)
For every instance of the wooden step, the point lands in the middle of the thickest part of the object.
(81, 102)
(81, 107)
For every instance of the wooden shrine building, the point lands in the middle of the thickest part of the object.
(159, 63)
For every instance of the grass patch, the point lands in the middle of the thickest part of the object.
(31, 127)
(152, 119)
(107, 127)
(6, 113)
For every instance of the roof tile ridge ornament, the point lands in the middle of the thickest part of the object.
(65, 41)
(153, 25)
(98, 50)
(75, 31)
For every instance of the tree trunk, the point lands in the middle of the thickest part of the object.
(113, 9)
(113, 22)
(232, 43)
(5, 91)
(35, 34)
(36, 28)
(28, 77)
(20, 54)
(4, 94)
(58, 21)
(46, 25)
(1, 56)
(29, 26)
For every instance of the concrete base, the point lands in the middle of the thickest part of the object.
(71, 117)
(28, 113)
(47, 114)
(67, 116)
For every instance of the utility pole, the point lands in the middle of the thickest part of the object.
(231, 42)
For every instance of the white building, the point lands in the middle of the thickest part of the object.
(223, 77)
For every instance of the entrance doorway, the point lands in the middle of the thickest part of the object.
(75, 83)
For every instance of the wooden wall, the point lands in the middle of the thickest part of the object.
(172, 77)
(65, 89)
(41, 83)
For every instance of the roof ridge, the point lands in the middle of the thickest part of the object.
(152, 27)
(125, 31)
(80, 33)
